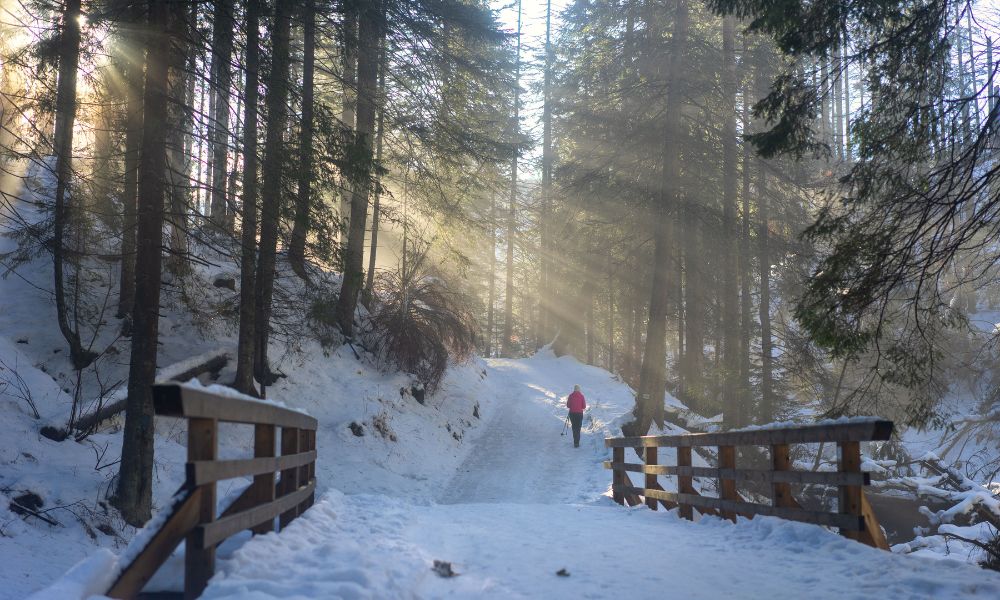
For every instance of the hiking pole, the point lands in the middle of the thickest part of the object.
(565, 425)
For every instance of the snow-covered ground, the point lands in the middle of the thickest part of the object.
(479, 476)
(525, 504)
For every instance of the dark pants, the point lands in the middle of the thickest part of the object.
(577, 420)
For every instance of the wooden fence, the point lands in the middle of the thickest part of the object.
(854, 518)
(192, 518)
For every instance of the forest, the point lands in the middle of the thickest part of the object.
(763, 211)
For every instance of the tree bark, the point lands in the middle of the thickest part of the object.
(300, 227)
(373, 251)
(133, 76)
(69, 59)
(369, 35)
(222, 79)
(349, 106)
(135, 478)
(276, 102)
(508, 301)
(653, 376)
(246, 349)
(730, 233)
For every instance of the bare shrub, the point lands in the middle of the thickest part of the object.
(418, 324)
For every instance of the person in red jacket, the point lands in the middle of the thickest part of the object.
(576, 404)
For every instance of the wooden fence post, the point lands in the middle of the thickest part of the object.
(617, 456)
(651, 477)
(727, 486)
(305, 445)
(289, 477)
(199, 560)
(849, 461)
(263, 446)
(781, 493)
(684, 483)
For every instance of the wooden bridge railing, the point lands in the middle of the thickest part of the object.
(854, 517)
(192, 518)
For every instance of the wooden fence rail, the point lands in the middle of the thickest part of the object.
(854, 517)
(192, 517)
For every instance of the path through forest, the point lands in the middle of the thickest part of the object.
(522, 457)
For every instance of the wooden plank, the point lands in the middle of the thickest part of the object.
(137, 574)
(618, 456)
(727, 485)
(757, 475)
(849, 461)
(781, 461)
(684, 482)
(205, 471)
(210, 534)
(174, 400)
(651, 477)
(873, 531)
(289, 477)
(199, 561)
(803, 434)
(262, 489)
(844, 522)
(303, 470)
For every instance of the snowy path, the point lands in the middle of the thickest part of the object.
(370, 546)
(522, 458)
(525, 504)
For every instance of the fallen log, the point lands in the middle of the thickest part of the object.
(183, 371)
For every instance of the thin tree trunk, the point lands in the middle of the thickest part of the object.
(135, 477)
(373, 251)
(349, 107)
(177, 113)
(69, 59)
(370, 31)
(545, 293)
(508, 310)
(222, 77)
(653, 377)
(300, 228)
(493, 274)
(746, 277)
(248, 261)
(766, 361)
(730, 233)
(276, 102)
(133, 137)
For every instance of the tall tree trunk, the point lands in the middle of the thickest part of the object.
(69, 59)
(695, 304)
(349, 106)
(730, 233)
(610, 364)
(222, 79)
(177, 128)
(135, 477)
(653, 377)
(300, 228)
(370, 31)
(491, 302)
(276, 102)
(545, 292)
(133, 77)
(376, 208)
(766, 360)
(248, 261)
(508, 302)
(745, 266)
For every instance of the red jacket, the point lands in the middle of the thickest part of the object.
(576, 403)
